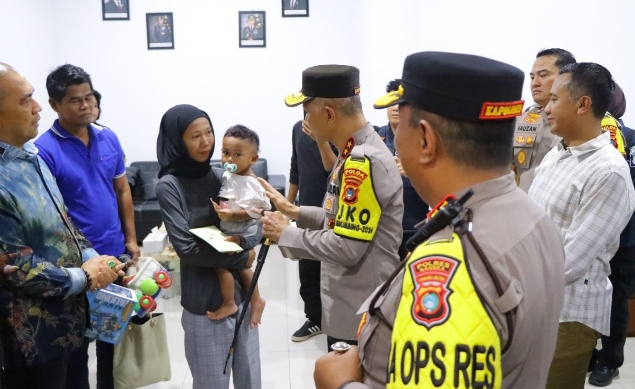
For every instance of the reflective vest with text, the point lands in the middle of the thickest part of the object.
(443, 336)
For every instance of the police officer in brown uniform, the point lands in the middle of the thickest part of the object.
(476, 304)
(533, 138)
(357, 231)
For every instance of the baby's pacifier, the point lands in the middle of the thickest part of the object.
(230, 167)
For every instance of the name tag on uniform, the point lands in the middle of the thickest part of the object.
(524, 141)
(525, 135)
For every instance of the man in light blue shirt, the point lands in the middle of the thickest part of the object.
(48, 264)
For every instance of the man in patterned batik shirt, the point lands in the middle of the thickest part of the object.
(42, 301)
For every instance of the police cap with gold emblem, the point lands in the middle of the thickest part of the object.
(459, 86)
(327, 81)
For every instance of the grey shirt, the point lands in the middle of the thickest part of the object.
(351, 269)
(526, 253)
(185, 204)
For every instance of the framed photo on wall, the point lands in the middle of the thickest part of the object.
(115, 9)
(295, 8)
(252, 29)
(160, 29)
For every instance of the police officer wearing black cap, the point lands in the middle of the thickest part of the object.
(357, 231)
(415, 209)
(476, 303)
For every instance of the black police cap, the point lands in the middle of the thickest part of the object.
(327, 81)
(459, 86)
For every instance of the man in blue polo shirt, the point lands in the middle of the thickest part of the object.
(88, 164)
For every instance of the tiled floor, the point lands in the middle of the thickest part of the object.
(286, 364)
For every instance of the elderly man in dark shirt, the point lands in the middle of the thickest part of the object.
(311, 164)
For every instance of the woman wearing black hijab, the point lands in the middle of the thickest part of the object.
(187, 183)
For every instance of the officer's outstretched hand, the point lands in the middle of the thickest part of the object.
(273, 223)
(282, 204)
(335, 369)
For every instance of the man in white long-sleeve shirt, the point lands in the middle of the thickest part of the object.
(584, 185)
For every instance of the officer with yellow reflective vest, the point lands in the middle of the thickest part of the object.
(610, 124)
(357, 231)
(477, 302)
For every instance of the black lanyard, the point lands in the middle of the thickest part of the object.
(36, 163)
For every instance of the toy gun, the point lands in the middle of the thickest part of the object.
(148, 282)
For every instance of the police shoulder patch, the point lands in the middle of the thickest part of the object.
(431, 277)
(358, 212)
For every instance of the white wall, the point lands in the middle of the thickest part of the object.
(248, 85)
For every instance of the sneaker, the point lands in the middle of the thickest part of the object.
(603, 375)
(308, 330)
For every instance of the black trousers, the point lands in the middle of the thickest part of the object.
(105, 355)
(49, 375)
(77, 371)
(310, 289)
(330, 340)
(77, 368)
(623, 279)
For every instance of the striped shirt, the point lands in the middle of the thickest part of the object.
(587, 192)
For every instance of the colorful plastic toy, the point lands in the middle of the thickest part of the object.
(148, 282)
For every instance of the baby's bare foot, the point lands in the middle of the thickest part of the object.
(257, 307)
(224, 311)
